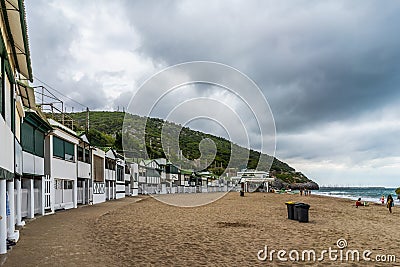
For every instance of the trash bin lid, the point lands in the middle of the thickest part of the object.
(302, 205)
(289, 203)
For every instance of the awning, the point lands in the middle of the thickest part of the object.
(14, 14)
(27, 95)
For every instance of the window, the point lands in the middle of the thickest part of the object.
(98, 166)
(69, 151)
(80, 153)
(27, 140)
(58, 147)
(32, 140)
(68, 184)
(110, 164)
(87, 156)
(63, 149)
(39, 143)
(83, 154)
(127, 171)
(120, 173)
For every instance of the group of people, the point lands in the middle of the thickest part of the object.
(389, 202)
(359, 203)
(305, 191)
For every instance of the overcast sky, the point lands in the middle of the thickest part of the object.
(330, 70)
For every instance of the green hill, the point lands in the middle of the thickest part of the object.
(105, 129)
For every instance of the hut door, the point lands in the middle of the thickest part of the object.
(47, 195)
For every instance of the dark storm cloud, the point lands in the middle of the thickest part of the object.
(50, 39)
(329, 69)
(315, 61)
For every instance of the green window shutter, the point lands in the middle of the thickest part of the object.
(80, 153)
(87, 155)
(39, 143)
(58, 147)
(27, 138)
(69, 150)
(120, 173)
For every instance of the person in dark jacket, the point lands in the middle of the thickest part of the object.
(389, 203)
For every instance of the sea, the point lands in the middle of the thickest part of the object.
(369, 194)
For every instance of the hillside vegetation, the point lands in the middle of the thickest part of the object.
(105, 130)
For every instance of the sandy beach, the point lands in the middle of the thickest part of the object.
(229, 232)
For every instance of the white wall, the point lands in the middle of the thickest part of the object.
(63, 169)
(99, 198)
(39, 165)
(66, 136)
(121, 188)
(7, 146)
(32, 164)
(135, 192)
(134, 168)
(109, 174)
(18, 158)
(83, 170)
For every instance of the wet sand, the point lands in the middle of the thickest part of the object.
(228, 232)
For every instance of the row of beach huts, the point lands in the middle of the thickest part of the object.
(46, 166)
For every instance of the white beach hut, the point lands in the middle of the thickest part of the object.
(149, 177)
(84, 170)
(30, 187)
(120, 175)
(127, 179)
(14, 63)
(110, 173)
(134, 175)
(98, 169)
(61, 166)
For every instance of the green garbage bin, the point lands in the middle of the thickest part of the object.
(302, 212)
(290, 209)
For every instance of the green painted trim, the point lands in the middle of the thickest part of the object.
(22, 15)
(4, 55)
(36, 121)
(186, 172)
(8, 29)
(5, 174)
(21, 8)
(26, 175)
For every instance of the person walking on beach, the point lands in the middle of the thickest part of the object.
(383, 199)
(389, 203)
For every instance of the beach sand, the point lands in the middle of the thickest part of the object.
(228, 232)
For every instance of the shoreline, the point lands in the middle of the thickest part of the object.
(129, 232)
(350, 198)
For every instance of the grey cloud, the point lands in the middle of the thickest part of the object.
(317, 62)
(341, 58)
